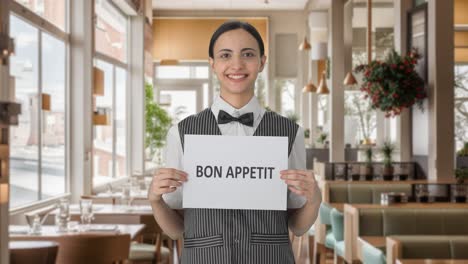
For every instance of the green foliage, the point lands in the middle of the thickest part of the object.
(393, 84)
(158, 122)
(292, 116)
(461, 174)
(387, 151)
(464, 151)
(368, 153)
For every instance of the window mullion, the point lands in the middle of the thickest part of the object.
(39, 115)
(114, 117)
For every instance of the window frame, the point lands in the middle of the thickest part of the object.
(114, 62)
(42, 25)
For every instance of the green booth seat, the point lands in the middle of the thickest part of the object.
(324, 214)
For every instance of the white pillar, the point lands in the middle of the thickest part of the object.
(336, 102)
(441, 91)
(137, 90)
(403, 133)
(81, 85)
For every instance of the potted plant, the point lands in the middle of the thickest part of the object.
(322, 139)
(459, 190)
(393, 84)
(367, 169)
(462, 156)
(158, 123)
(387, 151)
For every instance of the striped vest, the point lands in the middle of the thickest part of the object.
(224, 236)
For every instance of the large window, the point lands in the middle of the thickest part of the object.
(285, 96)
(38, 143)
(461, 105)
(110, 148)
(52, 10)
(110, 30)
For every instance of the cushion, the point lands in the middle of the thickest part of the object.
(371, 254)
(330, 240)
(370, 222)
(459, 246)
(140, 251)
(340, 248)
(359, 193)
(337, 223)
(429, 247)
(339, 193)
(324, 213)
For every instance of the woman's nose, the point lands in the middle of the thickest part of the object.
(237, 62)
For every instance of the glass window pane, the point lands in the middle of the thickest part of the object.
(287, 97)
(120, 121)
(461, 105)
(181, 104)
(24, 151)
(53, 122)
(201, 72)
(360, 119)
(103, 135)
(52, 10)
(110, 31)
(172, 72)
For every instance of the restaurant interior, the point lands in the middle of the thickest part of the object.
(89, 89)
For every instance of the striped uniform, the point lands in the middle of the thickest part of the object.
(237, 236)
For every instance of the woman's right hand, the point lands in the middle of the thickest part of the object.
(165, 180)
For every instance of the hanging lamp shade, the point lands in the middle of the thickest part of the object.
(323, 88)
(350, 79)
(305, 45)
(309, 88)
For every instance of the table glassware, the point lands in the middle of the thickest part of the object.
(86, 212)
(63, 215)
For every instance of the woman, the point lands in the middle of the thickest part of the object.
(236, 54)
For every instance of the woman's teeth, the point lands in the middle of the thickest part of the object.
(237, 76)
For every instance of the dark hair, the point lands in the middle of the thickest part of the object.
(235, 24)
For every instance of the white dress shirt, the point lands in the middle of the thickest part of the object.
(174, 153)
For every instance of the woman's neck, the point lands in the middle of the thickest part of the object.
(237, 100)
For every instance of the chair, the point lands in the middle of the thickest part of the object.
(153, 249)
(42, 252)
(90, 248)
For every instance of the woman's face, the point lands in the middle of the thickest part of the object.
(237, 62)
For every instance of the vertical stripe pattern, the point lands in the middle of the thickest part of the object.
(236, 236)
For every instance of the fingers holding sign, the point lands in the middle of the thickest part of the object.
(301, 182)
(166, 180)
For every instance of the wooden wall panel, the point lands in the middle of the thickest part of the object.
(461, 11)
(188, 38)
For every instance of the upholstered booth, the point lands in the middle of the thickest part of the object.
(425, 247)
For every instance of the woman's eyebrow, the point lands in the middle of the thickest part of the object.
(224, 50)
(245, 49)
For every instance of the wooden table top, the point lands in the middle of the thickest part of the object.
(17, 232)
(376, 241)
(432, 261)
(109, 209)
(381, 182)
(411, 206)
(19, 245)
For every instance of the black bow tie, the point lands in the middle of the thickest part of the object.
(245, 119)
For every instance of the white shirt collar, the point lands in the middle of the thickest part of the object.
(252, 106)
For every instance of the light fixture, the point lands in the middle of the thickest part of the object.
(7, 47)
(101, 117)
(169, 62)
(350, 79)
(323, 88)
(305, 45)
(45, 102)
(309, 88)
(98, 81)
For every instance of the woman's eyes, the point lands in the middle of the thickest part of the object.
(228, 55)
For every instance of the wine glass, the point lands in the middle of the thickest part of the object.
(86, 212)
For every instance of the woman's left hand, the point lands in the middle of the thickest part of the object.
(301, 182)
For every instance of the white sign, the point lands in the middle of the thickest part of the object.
(235, 172)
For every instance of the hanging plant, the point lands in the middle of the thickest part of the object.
(393, 84)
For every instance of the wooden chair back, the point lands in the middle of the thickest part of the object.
(98, 248)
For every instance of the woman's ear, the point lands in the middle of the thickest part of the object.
(262, 63)
(211, 60)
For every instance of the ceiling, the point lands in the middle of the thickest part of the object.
(229, 4)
